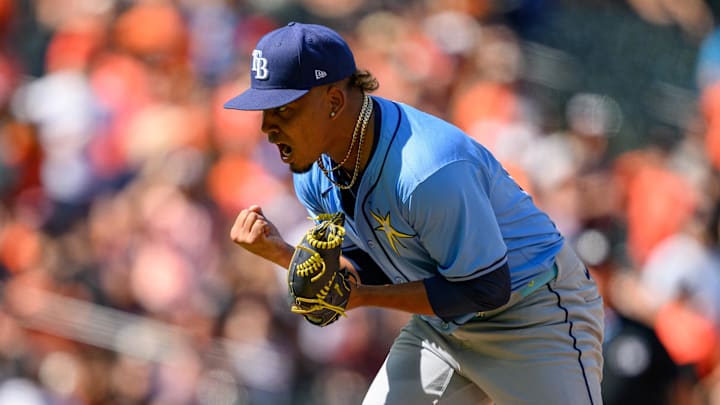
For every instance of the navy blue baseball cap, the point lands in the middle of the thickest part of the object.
(289, 61)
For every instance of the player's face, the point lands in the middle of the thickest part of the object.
(299, 129)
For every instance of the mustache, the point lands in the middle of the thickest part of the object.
(274, 137)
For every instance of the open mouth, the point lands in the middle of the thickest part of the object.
(285, 152)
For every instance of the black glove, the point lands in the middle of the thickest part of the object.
(318, 288)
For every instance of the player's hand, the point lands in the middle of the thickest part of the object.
(258, 235)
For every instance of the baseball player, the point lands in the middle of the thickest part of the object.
(505, 312)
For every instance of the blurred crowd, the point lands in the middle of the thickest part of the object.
(121, 173)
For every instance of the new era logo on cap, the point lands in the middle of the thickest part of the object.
(291, 60)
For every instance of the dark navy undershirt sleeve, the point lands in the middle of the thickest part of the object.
(369, 272)
(450, 300)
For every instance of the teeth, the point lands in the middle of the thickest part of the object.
(285, 151)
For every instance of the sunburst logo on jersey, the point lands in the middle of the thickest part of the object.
(391, 233)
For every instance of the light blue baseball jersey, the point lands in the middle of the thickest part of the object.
(434, 201)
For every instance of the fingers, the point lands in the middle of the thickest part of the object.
(249, 225)
(260, 227)
(256, 234)
(256, 209)
(251, 215)
(261, 219)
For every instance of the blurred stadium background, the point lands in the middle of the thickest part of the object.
(120, 175)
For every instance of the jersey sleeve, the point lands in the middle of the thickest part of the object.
(452, 213)
(450, 300)
(310, 196)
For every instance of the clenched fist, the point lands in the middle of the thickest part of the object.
(258, 235)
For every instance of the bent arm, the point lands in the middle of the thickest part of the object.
(408, 297)
(435, 295)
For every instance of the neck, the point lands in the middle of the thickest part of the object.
(368, 136)
(356, 154)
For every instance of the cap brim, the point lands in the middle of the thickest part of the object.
(265, 99)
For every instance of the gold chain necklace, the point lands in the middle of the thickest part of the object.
(366, 100)
(362, 121)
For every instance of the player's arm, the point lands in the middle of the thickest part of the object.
(432, 296)
(375, 289)
(438, 296)
(408, 297)
(450, 300)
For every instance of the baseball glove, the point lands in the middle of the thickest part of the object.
(318, 288)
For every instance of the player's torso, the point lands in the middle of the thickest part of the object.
(381, 225)
(413, 146)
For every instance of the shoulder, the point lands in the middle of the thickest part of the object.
(428, 145)
(417, 148)
(310, 186)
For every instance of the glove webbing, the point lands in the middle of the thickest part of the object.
(331, 232)
(315, 263)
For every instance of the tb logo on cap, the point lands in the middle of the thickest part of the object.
(259, 65)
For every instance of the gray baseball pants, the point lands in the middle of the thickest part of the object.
(544, 348)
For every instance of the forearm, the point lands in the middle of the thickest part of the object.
(282, 256)
(436, 295)
(408, 297)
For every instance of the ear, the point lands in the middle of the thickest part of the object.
(336, 100)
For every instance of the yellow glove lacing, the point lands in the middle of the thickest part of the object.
(319, 303)
(333, 234)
